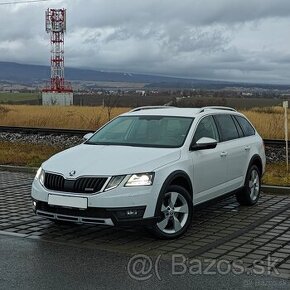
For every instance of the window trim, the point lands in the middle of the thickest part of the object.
(237, 124)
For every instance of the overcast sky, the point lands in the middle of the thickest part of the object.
(240, 40)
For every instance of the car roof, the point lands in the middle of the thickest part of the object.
(175, 111)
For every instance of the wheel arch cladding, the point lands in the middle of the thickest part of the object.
(256, 160)
(179, 178)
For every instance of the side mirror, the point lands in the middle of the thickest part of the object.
(204, 143)
(88, 136)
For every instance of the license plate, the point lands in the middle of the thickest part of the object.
(68, 201)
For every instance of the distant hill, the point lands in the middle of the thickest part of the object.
(214, 85)
(27, 73)
(30, 74)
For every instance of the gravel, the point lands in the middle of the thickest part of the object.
(274, 153)
(53, 140)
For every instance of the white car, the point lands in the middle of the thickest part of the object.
(151, 166)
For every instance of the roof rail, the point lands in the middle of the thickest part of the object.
(150, 107)
(216, 108)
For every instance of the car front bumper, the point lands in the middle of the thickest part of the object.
(120, 206)
(99, 216)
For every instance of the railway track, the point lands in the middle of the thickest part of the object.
(275, 142)
(44, 131)
(79, 132)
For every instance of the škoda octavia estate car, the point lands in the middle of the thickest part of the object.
(151, 166)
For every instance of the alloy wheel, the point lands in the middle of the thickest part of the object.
(254, 184)
(175, 212)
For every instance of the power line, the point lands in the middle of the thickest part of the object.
(23, 2)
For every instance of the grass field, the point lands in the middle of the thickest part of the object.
(276, 174)
(269, 121)
(25, 154)
(17, 97)
(56, 117)
(33, 155)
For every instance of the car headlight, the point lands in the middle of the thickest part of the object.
(114, 182)
(40, 175)
(140, 179)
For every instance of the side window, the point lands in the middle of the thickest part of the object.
(246, 126)
(206, 128)
(227, 127)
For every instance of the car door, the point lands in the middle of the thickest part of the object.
(235, 152)
(209, 166)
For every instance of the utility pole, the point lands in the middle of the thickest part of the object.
(285, 106)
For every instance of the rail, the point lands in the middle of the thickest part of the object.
(82, 132)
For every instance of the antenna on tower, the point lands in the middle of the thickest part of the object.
(58, 92)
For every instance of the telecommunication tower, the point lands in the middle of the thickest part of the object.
(58, 92)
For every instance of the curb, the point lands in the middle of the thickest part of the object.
(265, 188)
(276, 189)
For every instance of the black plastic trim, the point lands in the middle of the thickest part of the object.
(167, 182)
(253, 159)
(94, 212)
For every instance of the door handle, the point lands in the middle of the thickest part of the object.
(247, 148)
(224, 154)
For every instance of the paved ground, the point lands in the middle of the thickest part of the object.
(258, 236)
(45, 265)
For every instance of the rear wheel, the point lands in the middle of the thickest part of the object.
(251, 191)
(175, 211)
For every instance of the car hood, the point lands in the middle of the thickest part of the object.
(110, 160)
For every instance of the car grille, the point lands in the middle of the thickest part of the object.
(80, 185)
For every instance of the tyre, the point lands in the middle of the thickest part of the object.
(175, 211)
(249, 195)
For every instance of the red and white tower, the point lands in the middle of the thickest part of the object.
(58, 92)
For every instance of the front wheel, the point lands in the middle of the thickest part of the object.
(251, 191)
(175, 211)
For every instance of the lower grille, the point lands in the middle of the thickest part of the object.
(80, 185)
(88, 213)
(75, 219)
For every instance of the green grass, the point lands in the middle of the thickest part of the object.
(25, 154)
(17, 97)
(276, 174)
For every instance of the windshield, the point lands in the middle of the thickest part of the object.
(144, 131)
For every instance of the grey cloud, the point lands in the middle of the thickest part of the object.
(191, 38)
(192, 12)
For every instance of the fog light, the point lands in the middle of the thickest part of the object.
(132, 212)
